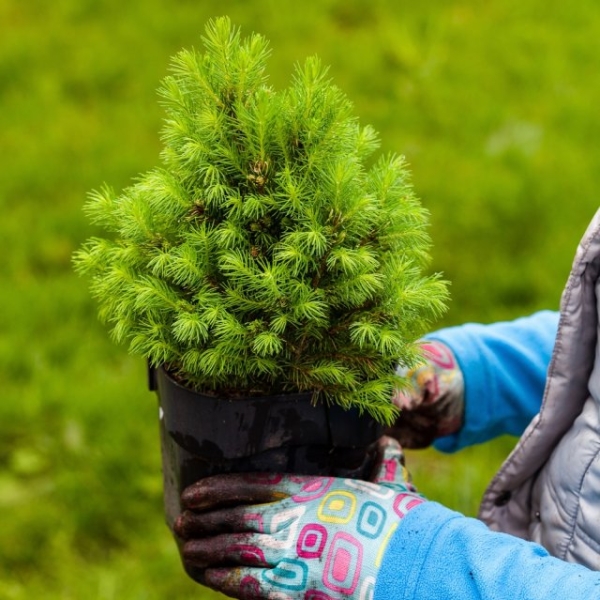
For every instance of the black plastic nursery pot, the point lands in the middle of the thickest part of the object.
(203, 435)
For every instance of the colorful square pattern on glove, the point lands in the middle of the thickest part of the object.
(371, 520)
(337, 507)
(312, 540)
(343, 565)
(289, 574)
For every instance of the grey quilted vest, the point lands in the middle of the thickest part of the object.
(548, 490)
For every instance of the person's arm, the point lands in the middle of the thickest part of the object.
(264, 536)
(504, 367)
(437, 553)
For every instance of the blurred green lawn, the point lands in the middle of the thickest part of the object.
(495, 106)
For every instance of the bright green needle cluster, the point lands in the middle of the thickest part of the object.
(264, 256)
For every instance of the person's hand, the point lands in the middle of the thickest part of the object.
(433, 405)
(295, 537)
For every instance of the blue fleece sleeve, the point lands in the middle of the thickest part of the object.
(437, 553)
(504, 367)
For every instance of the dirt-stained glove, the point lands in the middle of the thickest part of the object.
(295, 537)
(433, 405)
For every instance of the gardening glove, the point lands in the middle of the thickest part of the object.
(432, 405)
(295, 537)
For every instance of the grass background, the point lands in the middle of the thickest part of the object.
(495, 106)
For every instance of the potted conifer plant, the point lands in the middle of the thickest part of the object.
(269, 271)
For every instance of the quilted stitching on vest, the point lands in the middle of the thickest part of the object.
(550, 484)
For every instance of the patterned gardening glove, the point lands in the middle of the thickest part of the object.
(295, 537)
(433, 405)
